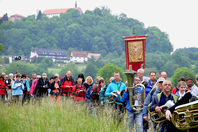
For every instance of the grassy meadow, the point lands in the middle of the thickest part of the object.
(65, 116)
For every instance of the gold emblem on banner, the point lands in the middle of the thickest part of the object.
(135, 51)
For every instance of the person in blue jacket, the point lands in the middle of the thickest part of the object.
(119, 86)
(26, 91)
(17, 90)
(148, 88)
(151, 82)
(133, 117)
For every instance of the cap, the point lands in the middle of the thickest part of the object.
(161, 79)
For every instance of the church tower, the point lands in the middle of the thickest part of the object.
(76, 5)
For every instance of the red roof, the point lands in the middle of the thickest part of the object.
(59, 11)
(17, 16)
(79, 53)
(54, 11)
(94, 54)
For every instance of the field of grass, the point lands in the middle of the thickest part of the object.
(49, 116)
(54, 70)
(57, 69)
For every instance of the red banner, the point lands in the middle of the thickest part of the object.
(135, 51)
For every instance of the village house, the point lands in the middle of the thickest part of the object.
(94, 55)
(15, 17)
(79, 56)
(54, 54)
(56, 12)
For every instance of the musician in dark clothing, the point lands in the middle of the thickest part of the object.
(188, 97)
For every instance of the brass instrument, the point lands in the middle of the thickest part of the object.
(113, 99)
(160, 117)
(137, 97)
(136, 93)
(186, 116)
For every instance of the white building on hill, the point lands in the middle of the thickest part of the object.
(56, 12)
(54, 54)
(79, 56)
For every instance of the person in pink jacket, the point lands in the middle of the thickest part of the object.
(34, 83)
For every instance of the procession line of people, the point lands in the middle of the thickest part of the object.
(20, 89)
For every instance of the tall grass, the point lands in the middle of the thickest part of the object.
(66, 116)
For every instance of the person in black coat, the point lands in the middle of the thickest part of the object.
(42, 86)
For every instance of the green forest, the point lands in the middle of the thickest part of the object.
(95, 31)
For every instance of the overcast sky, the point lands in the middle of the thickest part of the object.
(178, 18)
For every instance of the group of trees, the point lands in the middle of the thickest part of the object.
(96, 31)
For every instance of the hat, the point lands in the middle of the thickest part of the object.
(161, 79)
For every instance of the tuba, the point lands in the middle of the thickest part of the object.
(185, 116)
(160, 117)
(136, 93)
(137, 97)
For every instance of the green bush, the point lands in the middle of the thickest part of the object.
(108, 70)
(182, 72)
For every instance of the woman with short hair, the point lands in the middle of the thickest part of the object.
(17, 90)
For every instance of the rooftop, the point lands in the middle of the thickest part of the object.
(79, 53)
(51, 52)
(59, 11)
(17, 16)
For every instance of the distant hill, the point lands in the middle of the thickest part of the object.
(187, 50)
(94, 31)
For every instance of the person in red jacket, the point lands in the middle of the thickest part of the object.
(79, 91)
(3, 88)
(66, 84)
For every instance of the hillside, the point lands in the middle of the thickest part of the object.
(96, 31)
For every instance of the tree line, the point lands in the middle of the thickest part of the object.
(96, 31)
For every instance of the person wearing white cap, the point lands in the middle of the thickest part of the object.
(156, 89)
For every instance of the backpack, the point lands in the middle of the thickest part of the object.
(174, 90)
(102, 93)
(95, 93)
(88, 92)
